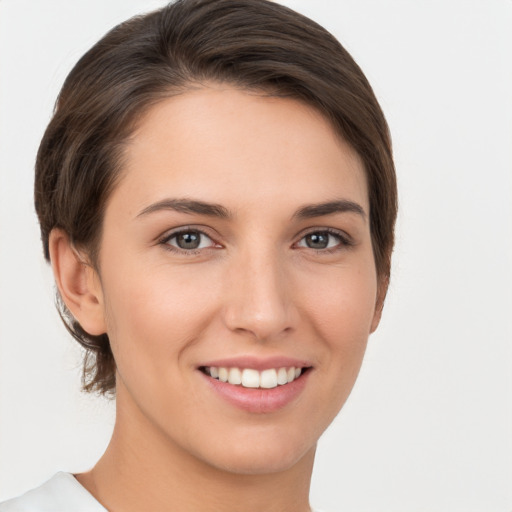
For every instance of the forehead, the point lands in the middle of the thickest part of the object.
(224, 144)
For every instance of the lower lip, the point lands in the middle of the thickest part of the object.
(259, 400)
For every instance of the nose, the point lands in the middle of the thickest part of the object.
(258, 298)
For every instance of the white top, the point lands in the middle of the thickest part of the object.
(62, 493)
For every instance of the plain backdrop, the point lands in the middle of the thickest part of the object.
(428, 426)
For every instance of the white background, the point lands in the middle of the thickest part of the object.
(429, 424)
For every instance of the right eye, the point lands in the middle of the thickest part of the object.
(188, 240)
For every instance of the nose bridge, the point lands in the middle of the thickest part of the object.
(257, 295)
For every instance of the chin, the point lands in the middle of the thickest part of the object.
(260, 455)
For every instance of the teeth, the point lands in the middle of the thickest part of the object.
(250, 378)
(223, 374)
(235, 376)
(268, 379)
(282, 376)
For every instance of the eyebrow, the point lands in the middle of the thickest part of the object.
(309, 211)
(329, 208)
(188, 206)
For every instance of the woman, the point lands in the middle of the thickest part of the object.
(217, 199)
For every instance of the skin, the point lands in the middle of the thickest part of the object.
(254, 287)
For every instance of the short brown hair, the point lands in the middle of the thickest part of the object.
(252, 44)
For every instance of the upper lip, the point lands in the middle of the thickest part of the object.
(258, 363)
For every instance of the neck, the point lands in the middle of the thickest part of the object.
(142, 469)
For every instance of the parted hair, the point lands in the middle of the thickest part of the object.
(252, 44)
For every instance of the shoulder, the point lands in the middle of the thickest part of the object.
(61, 493)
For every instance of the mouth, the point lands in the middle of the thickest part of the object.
(251, 378)
(255, 384)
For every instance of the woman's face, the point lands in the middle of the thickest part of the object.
(237, 246)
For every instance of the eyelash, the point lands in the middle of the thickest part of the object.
(344, 241)
(164, 241)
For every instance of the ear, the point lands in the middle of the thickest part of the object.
(382, 290)
(78, 283)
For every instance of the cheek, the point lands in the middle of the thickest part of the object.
(156, 311)
(344, 303)
(343, 316)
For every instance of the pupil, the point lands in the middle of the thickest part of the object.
(188, 240)
(317, 240)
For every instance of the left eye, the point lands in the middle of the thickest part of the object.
(189, 240)
(320, 240)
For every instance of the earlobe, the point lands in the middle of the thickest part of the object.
(78, 283)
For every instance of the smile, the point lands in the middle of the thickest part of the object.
(257, 384)
(251, 378)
